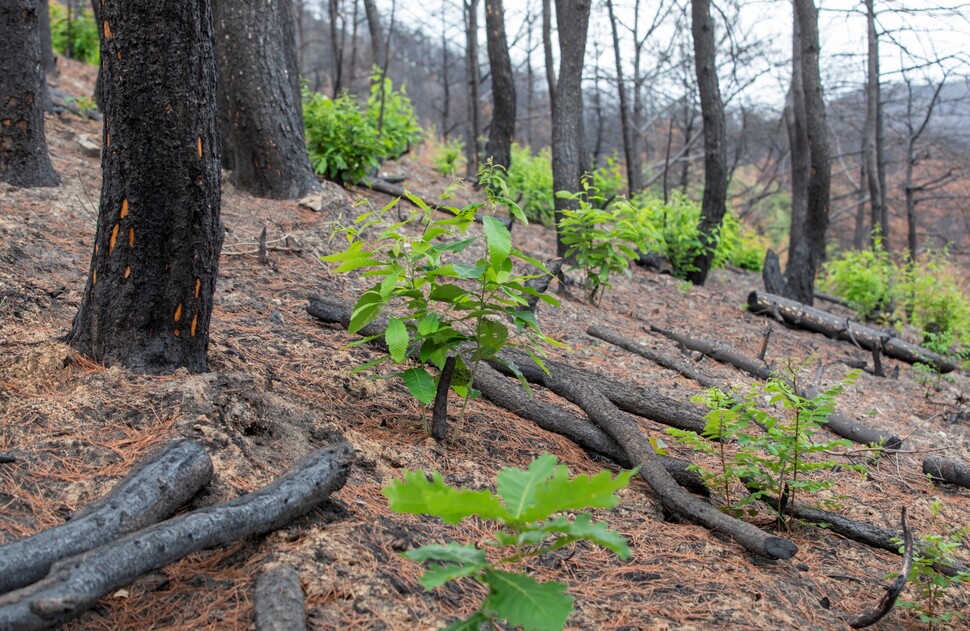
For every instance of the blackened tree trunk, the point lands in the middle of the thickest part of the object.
(630, 153)
(872, 153)
(474, 77)
(798, 144)
(96, 11)
(804, 261)
(714, 201)
(336, 50)
(46, 50)
(148, 299)
(376, 32)
(568, 145)
(547, 50)
(256, 54)
(502, 129)
(23, 145)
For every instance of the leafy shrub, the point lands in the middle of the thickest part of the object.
(396, 123)
(868, 280)
(530, 183)
(609, 180)
(343, 140)
(934, 300)
(449, 156)
(83, 37)
(441, 308)
(601, 241)
(528, 509)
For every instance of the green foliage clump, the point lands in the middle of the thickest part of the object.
(440, 307)
(449, 156)
(925, 578)
(868, 279)
(391, 114)
(934, 299)
(530, 183)
(345, 142)
(609, 180)
(768, 453)
(679, 241)
(528, 510)
(601, 240)
(85, 43)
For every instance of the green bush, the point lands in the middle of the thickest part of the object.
(934, 300)
(867, 279)
(448, 156)
(609, 180)
(84, 38)
(343, 140)
(397, 125)
(530, 183)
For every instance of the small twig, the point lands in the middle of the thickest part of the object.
(893, 452)
(764, 344)
(7, 458)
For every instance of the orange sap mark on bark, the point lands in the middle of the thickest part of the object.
(114, 238)
(94, 277)
(107, 30)
(107, 139)
(97, 249)
(198, 286)
(198, 145)
(127, 271)
(178, 312)
(119, 55)
(124, 208)
(176, 332)
(195, 322)
(131, 237)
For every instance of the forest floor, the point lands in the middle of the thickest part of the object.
(279, 386)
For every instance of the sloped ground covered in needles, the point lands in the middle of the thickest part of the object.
(279, 386)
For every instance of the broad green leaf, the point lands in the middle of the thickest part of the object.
(471, 623)
(498, 239)
(418, 495)
(521, 601)
(428, 324)
(353, 251)
(357, 263)
(518, 487)
(368, 307)
(453, 552)
(397, 339)
(469, 271)
(559, 493)
(420, 384)
(583, 527)
(446, 293)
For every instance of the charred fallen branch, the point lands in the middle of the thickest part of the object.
(839, 423)
(804, 317)
(151, 492)
(76, 584)
(279, 600)
(885, 605)
(392, 189)
(944, 470)
(677, 365)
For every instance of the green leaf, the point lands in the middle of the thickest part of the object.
(521, 601)
(583, 527)
(498, 239)
(397, 339)
(518, 488)
(446, 293)
(471, 623)
(458, 561)
(428, 324)
(420, 384)
(469, 272)
(418, 495)
(368, 307)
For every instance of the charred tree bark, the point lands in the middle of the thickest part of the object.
(148, 299)
(24, 160)
(678, 366)
(806, 257)
(713, 204)
(568, 159)
(98, 99)
(376, 32)
(800, 316)
(837, 422)
(500, 133)
(547, 51)
(76, 584)
(259, 86)
(634, 174)
(872, 153)
(336, 51)
(943, 470)
(280, 604)
(151, 492)
(474, 78)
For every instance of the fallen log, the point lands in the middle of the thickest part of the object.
(389, 188)
(679, 366)
(622, 428)
(885, 605)
(802, 316)
(837, 422)
(151, 492)
(279, 601)
(75, 584)
(510, 396)
(944, 470)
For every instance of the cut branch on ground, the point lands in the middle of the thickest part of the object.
(279, 601)
(945, 470)
(75, 584)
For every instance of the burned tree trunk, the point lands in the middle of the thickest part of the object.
(943, 470)
(280, 604)
(500, 133)
(76, 584)
(149, 494)
(259, 91)
(801, 316)
(148, 299)
(23, 146)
